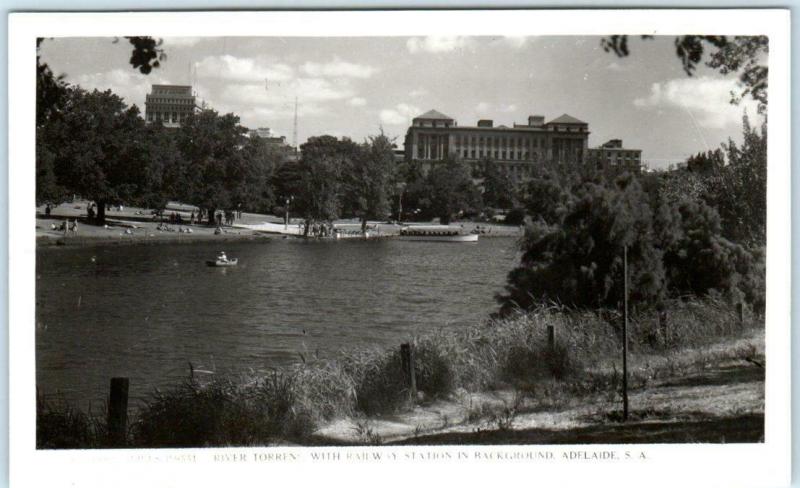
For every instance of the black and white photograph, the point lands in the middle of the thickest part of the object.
(403, 245)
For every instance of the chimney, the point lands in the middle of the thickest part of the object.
(485, 123)
(536, 120)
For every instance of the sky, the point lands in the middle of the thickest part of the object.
(358, 86)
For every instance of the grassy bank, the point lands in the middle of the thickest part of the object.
(513, 353)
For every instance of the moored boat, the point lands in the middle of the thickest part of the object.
(436, 233)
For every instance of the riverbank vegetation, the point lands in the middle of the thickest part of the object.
(513, 352)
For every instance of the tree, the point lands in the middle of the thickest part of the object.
(370, 179)
(211, 146)
(744, 55)
(578, 260)
(451, 190)
(739, 191)
(498, 189)
(320, 170)
(96, 148)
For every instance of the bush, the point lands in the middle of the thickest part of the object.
(515, 216)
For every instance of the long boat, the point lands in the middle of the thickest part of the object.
(436, 233)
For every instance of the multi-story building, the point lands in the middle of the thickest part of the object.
(169, 104)
(434, 136)
(268, 135)
(612, 155)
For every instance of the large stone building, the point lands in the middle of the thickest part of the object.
(434, 136)
(169, 104)
(612, 155)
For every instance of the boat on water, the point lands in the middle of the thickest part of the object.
(222, 261)
(436, 233)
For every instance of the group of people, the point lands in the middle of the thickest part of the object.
(66, 226)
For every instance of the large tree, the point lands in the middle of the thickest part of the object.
(498, 189)
(451, 191)
(320, 177)
(97, 147)
(370, 179)
(216, 171)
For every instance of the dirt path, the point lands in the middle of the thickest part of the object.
(721, 402)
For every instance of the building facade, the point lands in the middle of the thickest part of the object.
(169, 104)
(612, 155)
(434, 136)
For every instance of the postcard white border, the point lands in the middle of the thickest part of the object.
(766, 464)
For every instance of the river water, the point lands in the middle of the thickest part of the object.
(147, 311)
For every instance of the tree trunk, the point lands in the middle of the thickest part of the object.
(307, 226)
(100, 218)
(364, 224)
(212, 217)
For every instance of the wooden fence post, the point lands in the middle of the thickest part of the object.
(407, 359)
(740, 312)
(118, 411)
(551, 337)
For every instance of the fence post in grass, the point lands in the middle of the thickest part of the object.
(740, 312)
(118, 411)
(663, 321)
(407, 360)
(625, 336)
(551, 337)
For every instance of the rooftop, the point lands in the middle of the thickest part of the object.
(433, 114)
(566, 119)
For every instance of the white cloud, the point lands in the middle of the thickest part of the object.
(485, 108)
(338, 69)
(706, 99)
(243, 70)
(400, 114)
(181, 41)
(129, 84)
(418, 92)
(357, 102)
(436, 44)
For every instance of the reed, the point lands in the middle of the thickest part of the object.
(512, 352)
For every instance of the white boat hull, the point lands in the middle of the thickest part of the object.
(221, 264)
(435, 238)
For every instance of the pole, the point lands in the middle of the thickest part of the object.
(286, 220)
(118, 411)
(625, 337)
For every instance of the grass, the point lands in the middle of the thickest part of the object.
(288, 405)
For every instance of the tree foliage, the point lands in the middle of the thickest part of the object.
(370, 179)
(744, 55)
(695, 231)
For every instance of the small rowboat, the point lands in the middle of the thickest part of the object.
(220, 263)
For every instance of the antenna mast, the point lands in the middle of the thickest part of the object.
(294, 134)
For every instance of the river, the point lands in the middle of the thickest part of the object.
(147, 311)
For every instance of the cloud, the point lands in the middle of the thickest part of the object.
(243, 70)
(418, 92)
(706, 99)
(400, 114)
(357, 102)
(615, 66)
(436, 44)
(129, 84)
(181, 41)
(338, 69)
(485, 108)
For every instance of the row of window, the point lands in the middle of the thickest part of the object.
(166, 117)
(494, 142)
(174, 101)
(496, 154)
